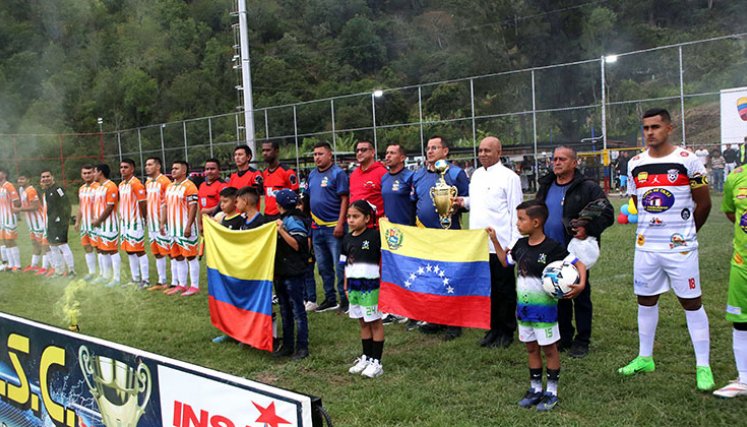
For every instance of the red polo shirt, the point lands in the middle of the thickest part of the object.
(275, 180)
(366, 185)
(209, 194)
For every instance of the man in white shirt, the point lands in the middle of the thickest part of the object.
(497, 191)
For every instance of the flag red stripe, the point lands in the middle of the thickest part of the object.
(248, 327)
(466, 311)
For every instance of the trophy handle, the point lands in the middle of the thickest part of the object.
(143, 384)
(86, 366)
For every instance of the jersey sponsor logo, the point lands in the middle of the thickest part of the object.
(642, 177)
(394, 238)
(741, 193)
(542, 259)
(640, 240)
(672, 175)
(657, 200)
(685, 214)
(677, 240)
(684, 154)
(743, 222)
(656, 222)
(325, 182)
(369, 184)
(395, 185)
(738, 259)
(366, 245)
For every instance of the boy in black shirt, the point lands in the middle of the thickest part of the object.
(247, 201)
(229, 217)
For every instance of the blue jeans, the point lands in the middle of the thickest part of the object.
(309, 290)
(289, 290)
(718, 179)
(327, 249)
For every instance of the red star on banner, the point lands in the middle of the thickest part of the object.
(268, 416)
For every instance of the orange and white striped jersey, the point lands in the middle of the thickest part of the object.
(34, 219)
(86, 196)
(155, 190)
(179, 197)
(8, 196)
(131, 193)
(107, 194)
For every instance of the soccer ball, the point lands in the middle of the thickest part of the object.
(557, 278)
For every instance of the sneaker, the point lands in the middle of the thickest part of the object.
(144, 284)
(490, 337)
(301, 353)
(578, 350)
(531, 398)
(275, 300)
(452, 332)
(704, 378)
(373, 370)
(360, 365)
(343, 308)
(191, 291)
(431, 328)
(503, 341)
(72, 274)
(411, 325)
(564, 346)
(548, 403)
(220, 339)
(176, 290)
(283, 351)
(113, 283)
(311, 306)
(639, 364)
(733, 389)
(388, 319)
(327, 305)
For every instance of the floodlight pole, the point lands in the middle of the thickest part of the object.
(246, 76)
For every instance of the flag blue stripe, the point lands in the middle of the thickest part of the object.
(250, 295)
(464, 278)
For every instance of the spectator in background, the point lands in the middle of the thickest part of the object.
(717, 170)
(702, 155)
(731, 158)
(622, 172)
(275, 177)
(365, 181)
(328, 190)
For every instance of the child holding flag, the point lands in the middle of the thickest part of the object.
(537, 312)
(361, 255)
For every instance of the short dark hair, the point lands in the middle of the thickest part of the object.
(87, 166)
(370, 144)
(323, 144)
(665, 117)
(249, 193)
(104, 169)
(535, 209)
(213, 160)
(363, 207)
(399, 146)
(229, 192)
(573, 151)
(444, 142)
(181, 162)
(155, 159)
(246, 149)
(275, 144)
(46, 170)
(129, 162)
(23, 173)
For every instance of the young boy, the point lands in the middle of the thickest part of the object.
(246, 203)
(229, 216)
(536, 311)
(290, 265)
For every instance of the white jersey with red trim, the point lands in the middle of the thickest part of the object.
(663, 186)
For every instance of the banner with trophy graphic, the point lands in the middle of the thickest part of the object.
(53, 377)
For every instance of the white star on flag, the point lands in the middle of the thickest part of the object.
(436, 269)
(449, 290)
(446, 281)
(408, 284)
(412, 276)
(421, 270)
(441, 274)
(428, 268)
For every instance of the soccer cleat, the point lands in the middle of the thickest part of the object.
(176, 290)
(156, 287)
(40, 272)
(531, 398)
(731, 390)
(191, 291)
(101, 280)
(50, 272)
(639, 364)
(360, 365)
(29, 268)
(113, 283)
(704, 378)
(373, 370)
(88, 277)
(548, 403)
(15, 269)
(311, 306)
(169, 288)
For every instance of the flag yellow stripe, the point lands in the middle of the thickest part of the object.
(435, 244)
(246, 255)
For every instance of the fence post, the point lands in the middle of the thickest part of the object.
(184, 132)
(474, 126)
(334, 133)
(119, 146)
(420, 119)
(62, 161)
(267, 125)
(210, 135)
(682, 96)
(295, 137)
(140, 149)
(534, 134)
(604, 103)
(163, 147)
(373, 120)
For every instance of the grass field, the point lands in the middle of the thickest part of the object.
(429, 382)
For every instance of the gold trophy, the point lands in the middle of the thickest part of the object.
(442, 195)
(116, 388)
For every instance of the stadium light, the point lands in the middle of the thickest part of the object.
(378, 93)
(610, 59)
(100, 121)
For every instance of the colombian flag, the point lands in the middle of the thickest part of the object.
(439, 276)
(241, 265)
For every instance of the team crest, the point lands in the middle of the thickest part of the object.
(394, 238)
(672, 175)
(642, 177)
(325, 182)
(641, 240)
(542, 259)
(395, 185)
(741, 193)
(366, 245)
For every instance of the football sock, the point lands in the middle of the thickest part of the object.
(648, 318)
(3, 254)
(144, 268)
(67, 255)
(35, 260)
(134, 267)
(91, 262)
(174, 272)
(194, 273)
(378, 349)
(45, 261)
(54, 258)
(107, 266)
(15, 257)
(181, 271)
(740, 353)
(102, 265)
(535, 379)
(697, 325)
(367, 347)
(553, 375)
(116, 265)
(161, 268)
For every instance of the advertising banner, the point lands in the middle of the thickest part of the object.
(52, 377)
(733, 116)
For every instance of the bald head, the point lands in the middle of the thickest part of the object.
(489, 152)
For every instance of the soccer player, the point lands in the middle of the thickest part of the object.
(11, 256)
(245, 175)
(275, 177)
(209, 191)
(669, 186)
(132, 214)
(58, 221)
(180, 225)
(734, 205)
(160, 244)
(106, 226)
(34, 216)
(84, 218)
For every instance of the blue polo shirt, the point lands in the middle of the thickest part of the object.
(555, 200)
(396, 189)
(325, 189)
(422, 181)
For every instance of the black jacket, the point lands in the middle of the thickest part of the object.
(581, 192)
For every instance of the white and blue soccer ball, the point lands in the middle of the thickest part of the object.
(558, 277)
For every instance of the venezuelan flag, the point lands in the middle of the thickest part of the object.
(241, 265)
(439, 276)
